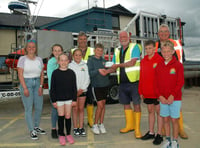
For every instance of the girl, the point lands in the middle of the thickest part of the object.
(31, 77)
(100, 83)
(51, 66)
(63, 95)
(83, 80)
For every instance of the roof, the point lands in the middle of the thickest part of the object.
(120, 10)
(17, 20)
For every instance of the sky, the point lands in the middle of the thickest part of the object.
(187, 10)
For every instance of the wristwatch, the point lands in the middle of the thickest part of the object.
(41, 85)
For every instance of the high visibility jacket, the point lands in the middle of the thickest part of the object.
(132, 72)
(89, 52)
(178, 48)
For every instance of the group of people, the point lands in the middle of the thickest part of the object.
(81, 77)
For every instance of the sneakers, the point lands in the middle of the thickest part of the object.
(148, 136)
(95, 129)
(174, 144)
(33, 135)
(54, 134)
(40, 130)
(76, 132)
(166, 144)
(102, 128)
(158, 139)
(82, 132)
(70, 139)
(62, 140)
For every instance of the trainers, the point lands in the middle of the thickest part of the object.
(158, 139)
(82, 132)
(95, 129)
(148, 136)
(54, 134)
(102, 128)
(76, 132)
(33, 135)
(62, 140)
(70, 139)
(166, 144)
(40, 130)
(174, 144)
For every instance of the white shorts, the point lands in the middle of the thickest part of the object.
(61, 103)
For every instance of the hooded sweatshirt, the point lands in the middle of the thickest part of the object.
(82, 75)
(169, 79)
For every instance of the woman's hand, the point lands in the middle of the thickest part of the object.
(54, 105)
(40, 91)
(73, 103)
(26, 92)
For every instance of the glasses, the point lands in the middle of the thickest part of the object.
(34, 41)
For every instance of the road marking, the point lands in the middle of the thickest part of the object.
(90, 138)
(11, 122)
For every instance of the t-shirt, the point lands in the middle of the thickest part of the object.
(32, 67)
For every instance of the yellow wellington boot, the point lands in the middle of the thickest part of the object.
(90, 109)
(182, 133)
(137, 125)
(129, 115)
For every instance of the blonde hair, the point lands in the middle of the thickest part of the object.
(61, 55)
(167, 44)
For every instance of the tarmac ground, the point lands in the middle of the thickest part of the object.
(14, 133)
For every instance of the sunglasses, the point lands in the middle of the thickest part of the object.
(34, 41)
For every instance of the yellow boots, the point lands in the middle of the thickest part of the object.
(129, 115)
(132, 123)
(181, 131)
(90, 109)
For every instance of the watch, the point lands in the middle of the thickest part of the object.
(41, 85)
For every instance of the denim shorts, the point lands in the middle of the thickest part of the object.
(172, 110)
(128, 92)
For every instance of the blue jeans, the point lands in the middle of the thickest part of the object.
(54, 115)
(33, 85)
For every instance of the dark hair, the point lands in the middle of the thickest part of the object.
(99, 45)
(76, 51)
(150, 42)
(53, 47)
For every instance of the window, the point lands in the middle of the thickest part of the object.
(115, 22)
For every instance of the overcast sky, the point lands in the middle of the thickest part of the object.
(187, 10)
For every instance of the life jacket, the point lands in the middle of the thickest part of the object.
(177, 46)
(132, 72)
(89, 52)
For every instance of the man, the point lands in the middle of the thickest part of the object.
(127, 64)
(86, 51)
(163, 35)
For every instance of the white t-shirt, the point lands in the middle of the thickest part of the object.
(32, 68)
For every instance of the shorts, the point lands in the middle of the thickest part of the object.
(128, 92)
(100, 93)
(153, 101)
(83, 94)
(61, 103)
(172, 110)
(89, 95)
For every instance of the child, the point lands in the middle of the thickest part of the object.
(100, 83)
(147, 91)
(82, 80)
(51, 66)
(63, 95)
(169, 81)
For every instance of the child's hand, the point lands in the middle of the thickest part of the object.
(103, 72)
(73, 103)
(80, 91)
(54, 105)
(142, 97)
(170, 99)
(163, 100)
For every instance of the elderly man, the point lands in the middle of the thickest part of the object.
(126, 61)
(163, 35)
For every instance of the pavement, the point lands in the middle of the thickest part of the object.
(14, 133)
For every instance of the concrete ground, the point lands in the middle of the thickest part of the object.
(14, 133)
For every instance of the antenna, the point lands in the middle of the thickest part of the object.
(95, 2)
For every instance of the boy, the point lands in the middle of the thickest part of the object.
(169, 81)
(147, 90)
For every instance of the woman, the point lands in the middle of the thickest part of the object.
(30, 73)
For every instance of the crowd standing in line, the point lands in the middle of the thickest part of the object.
(82, 80)
(31, 77)
(147, 91)
(164, 35)
(63, 94)
(52, 65)
(100, 83)
(169, 82)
